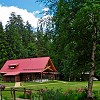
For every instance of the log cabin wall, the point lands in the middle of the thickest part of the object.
(17, 78)
(4, 78)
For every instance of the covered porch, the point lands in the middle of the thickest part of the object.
(30, 75)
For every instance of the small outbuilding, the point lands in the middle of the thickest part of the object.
(30, 69)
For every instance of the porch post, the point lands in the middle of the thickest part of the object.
(53, 76)
(41, 76)
(34, 77)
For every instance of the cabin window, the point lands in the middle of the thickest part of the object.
(12, 66)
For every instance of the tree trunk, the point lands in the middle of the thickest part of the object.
(91, 74)
(92, 68)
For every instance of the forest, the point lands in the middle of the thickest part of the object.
(70, 36)
(66, 37)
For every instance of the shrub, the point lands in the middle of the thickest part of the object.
(52, 94)
(58, 94)
(96, 95)
(34, 96)
(79, 94)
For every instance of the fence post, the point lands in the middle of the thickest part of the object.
(11, 92)
(24, 93)
(30, 94)
(14, 94)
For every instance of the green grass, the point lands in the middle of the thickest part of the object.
(54, 84)
(50, 85)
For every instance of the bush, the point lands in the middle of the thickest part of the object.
(79, 94)
(34, 96)
(96, 95)
(58, 94)
(22, 96)
(51, 94)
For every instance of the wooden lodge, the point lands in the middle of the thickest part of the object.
(30, 69)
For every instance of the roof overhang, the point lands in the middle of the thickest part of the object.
(11, 73)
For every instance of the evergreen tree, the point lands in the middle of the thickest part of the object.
(3, 47)
(14, 32)
(44, 38)
(30, 40)
(41, 50)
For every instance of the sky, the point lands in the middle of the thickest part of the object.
(28, 9)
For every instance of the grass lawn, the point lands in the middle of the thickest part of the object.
(61, 85)
(50, 85)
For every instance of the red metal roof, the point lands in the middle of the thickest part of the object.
(28, 65)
